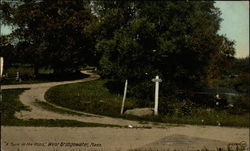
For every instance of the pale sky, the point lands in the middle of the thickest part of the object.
(235, 24)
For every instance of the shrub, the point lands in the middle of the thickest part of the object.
(241, 103)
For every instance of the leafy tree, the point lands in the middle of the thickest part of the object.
(53, 33)
(239, 65)
(221, 62)
(176, 40)
(240, 81)
(6, 51)
(111, 16)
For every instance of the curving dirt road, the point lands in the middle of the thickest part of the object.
(186, 137)
(37, 92)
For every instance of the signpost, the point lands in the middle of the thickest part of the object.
(124, 96)
(157, 80)
(1, 73)
(1, 67)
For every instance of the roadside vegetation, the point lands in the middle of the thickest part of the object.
(24, 74)
(94, 97)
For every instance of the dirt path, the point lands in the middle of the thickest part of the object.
(107, 139)
(37, 91)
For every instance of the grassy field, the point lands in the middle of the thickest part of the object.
(94, 97)
(11, 104)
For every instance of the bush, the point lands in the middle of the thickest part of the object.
(172, 106)
(241, 103)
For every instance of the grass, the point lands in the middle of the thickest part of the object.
(90, 97)
(94, 97)
(210, 117)
(11, 104)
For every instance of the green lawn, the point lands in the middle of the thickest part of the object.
(11, 104)
(90, 97)
(94, 97)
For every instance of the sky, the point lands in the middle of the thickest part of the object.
(235, 24)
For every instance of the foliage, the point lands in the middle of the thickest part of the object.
(26, 75)
(236, 76)
(241, 84)
(231, 75)
(6, 50)
(52, 33)
(240, 65)
(175, 40)
(242, 103)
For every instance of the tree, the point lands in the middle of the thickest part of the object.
(176, 40)
(53, 33)
(7, 50)
(220, 62)
(111, 16)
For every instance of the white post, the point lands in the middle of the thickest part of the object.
(1, 67)
(1, 73)
(124, 96)
(157, 80)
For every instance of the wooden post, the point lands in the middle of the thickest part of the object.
(124, 96)
(157, 80)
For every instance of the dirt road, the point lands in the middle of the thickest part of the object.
(120, 139)
(107, 139)
(37, 91)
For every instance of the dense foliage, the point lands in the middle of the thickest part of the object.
(176, 40)
(51, 33)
